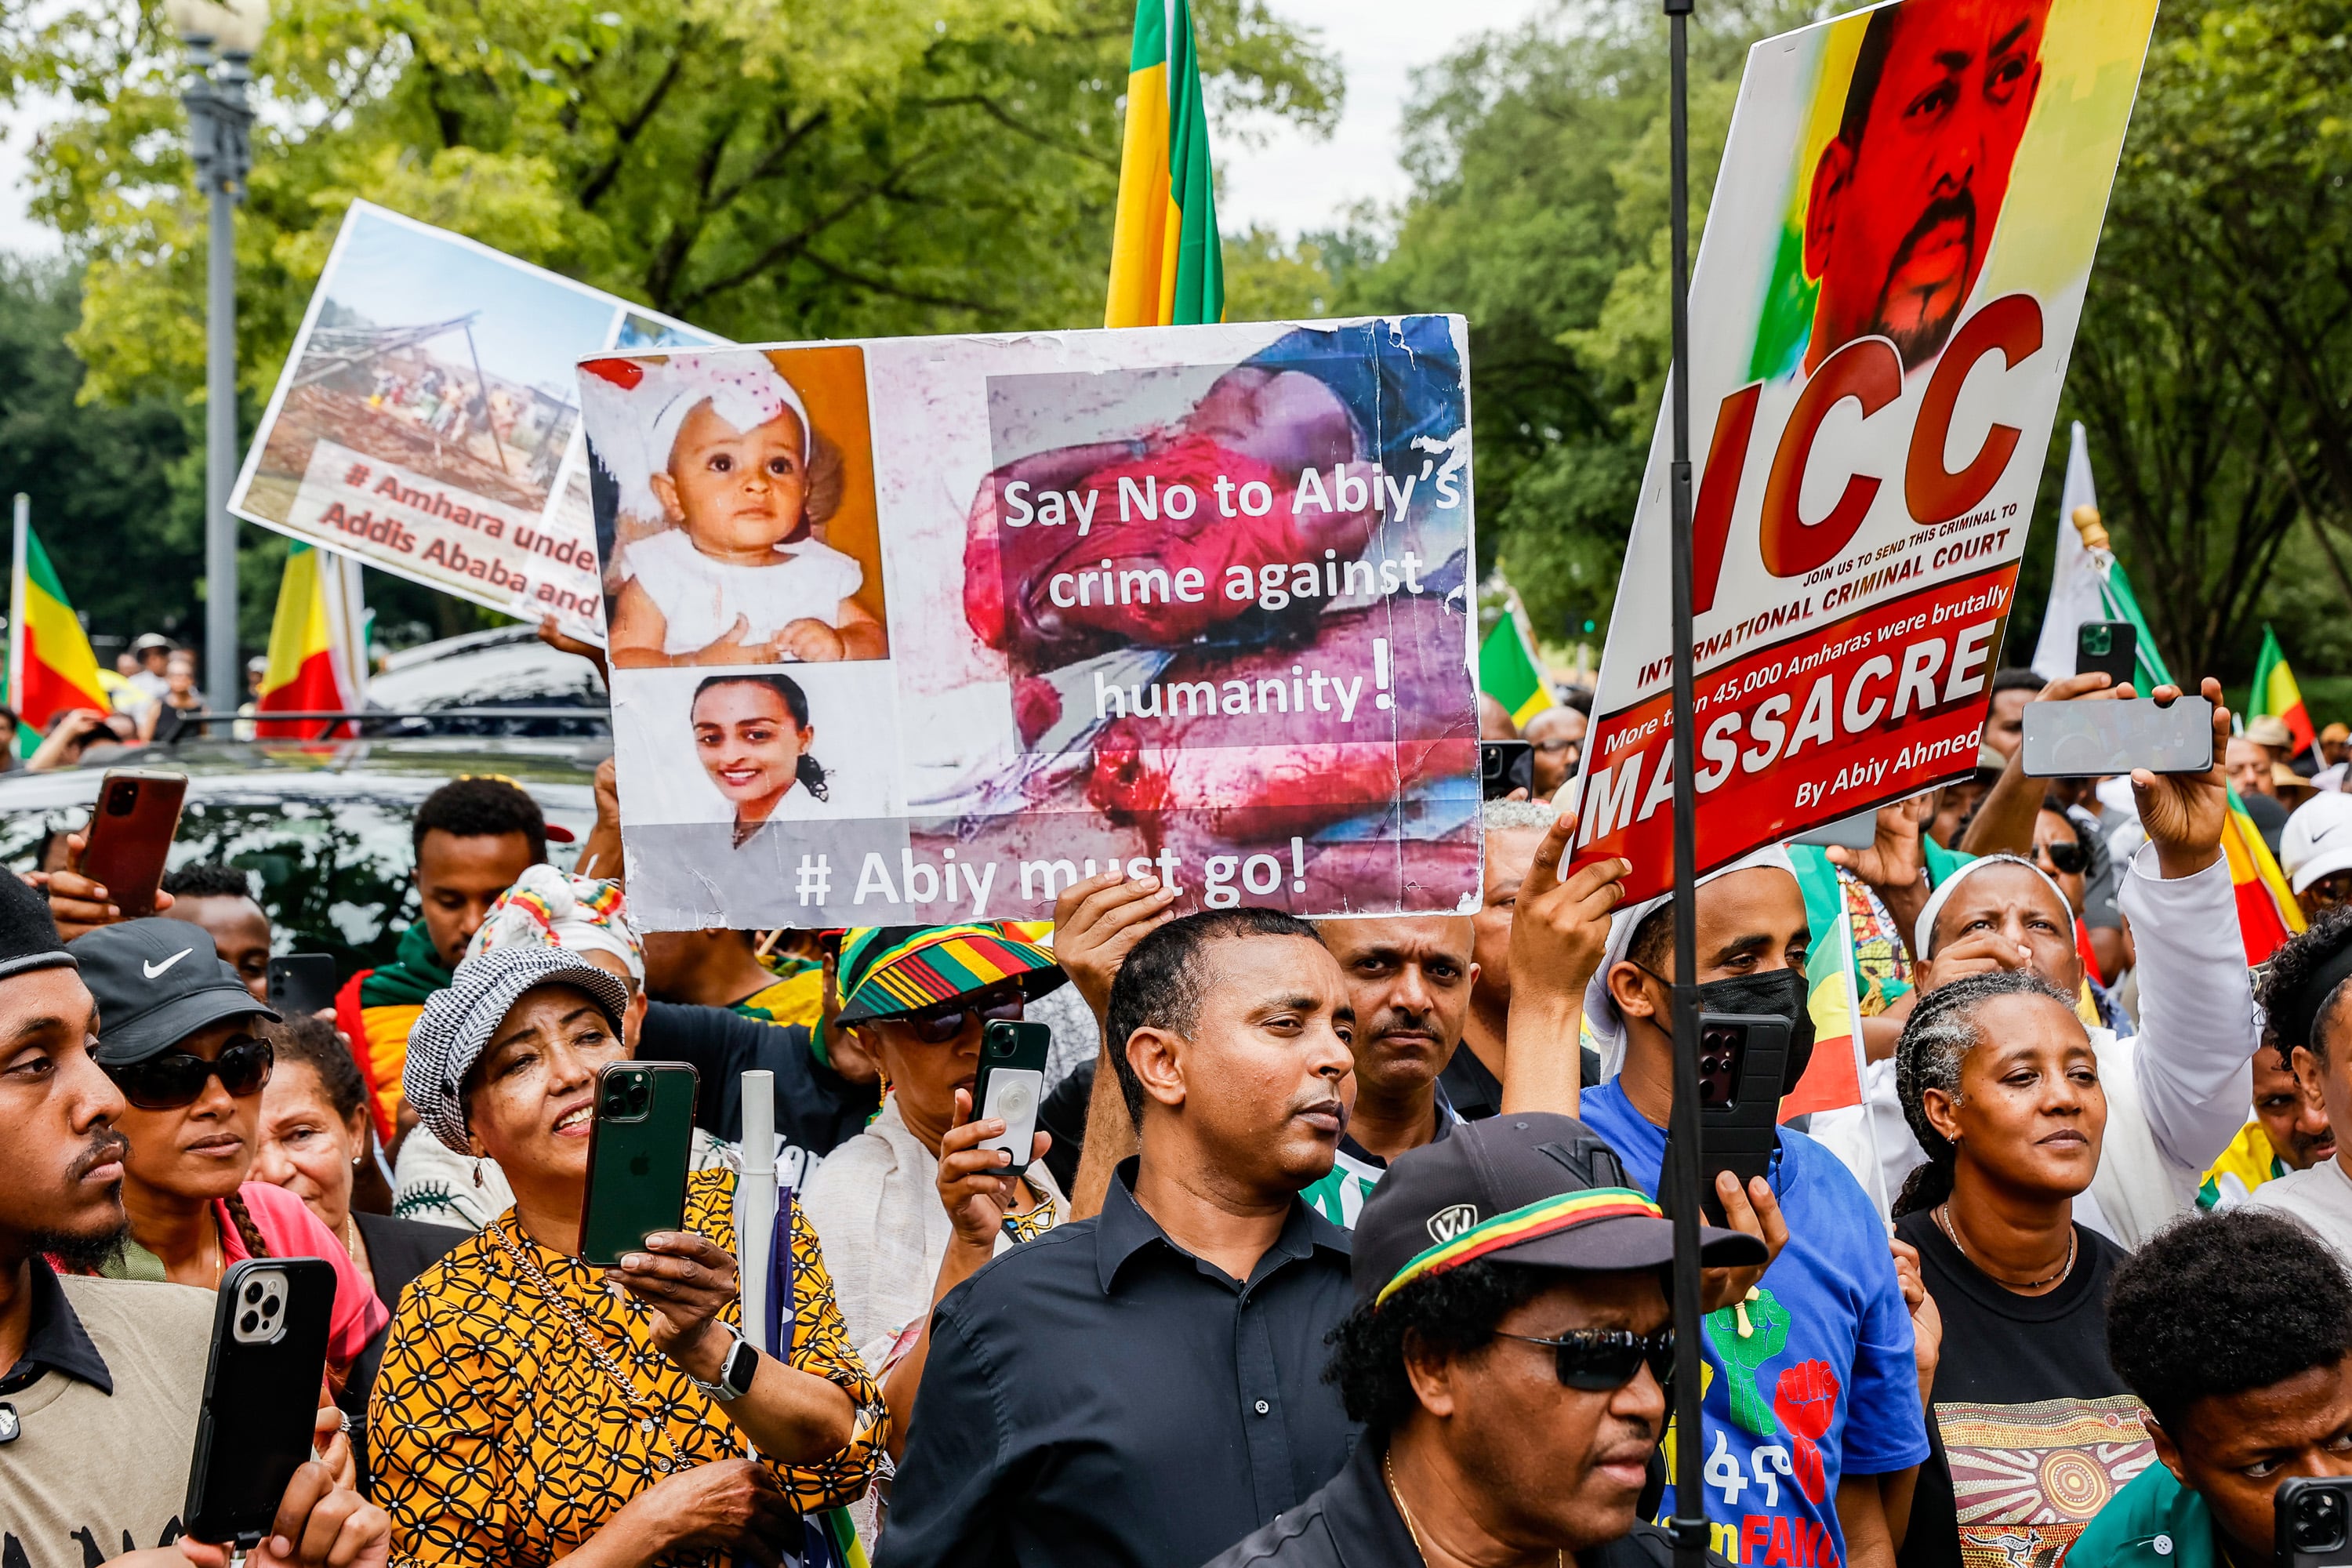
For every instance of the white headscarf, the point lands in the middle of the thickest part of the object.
(547, 908)
(1600, 1014)
(1923, 936)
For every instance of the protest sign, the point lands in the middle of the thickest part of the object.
(927, 628)
(1881, 316)
(428, 419)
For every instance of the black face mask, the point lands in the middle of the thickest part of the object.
(1773, 994)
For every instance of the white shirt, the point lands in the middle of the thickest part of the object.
(699, 599)
(2176, 1093)
(2321, 1197)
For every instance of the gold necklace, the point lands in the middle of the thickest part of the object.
(1412, 1528)
(1942, 1216)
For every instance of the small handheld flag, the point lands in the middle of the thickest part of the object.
(51, 669)
(1508, 673)
(2276, 694)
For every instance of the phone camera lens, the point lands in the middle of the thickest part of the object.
(253, 1292)
(616, 1103)
(269, 1307)
(122, 798)
(250, 1322)
(2319, 1521)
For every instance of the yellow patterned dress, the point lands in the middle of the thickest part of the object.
(497, 1436)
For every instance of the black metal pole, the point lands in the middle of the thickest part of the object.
(1681, 1184)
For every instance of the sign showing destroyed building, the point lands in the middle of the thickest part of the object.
(427, 420)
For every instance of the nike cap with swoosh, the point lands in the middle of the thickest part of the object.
(157, 981)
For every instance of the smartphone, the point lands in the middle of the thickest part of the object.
(2094, 739)
(1859, 831)
(1506, 765)
(2109, 647)
(640, 1146)
(129, 835)
(1742, 1061)
(302, 983)
(261, 1394)
(2314, 1528)
(1011, 1084)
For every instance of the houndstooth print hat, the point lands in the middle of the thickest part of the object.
(458, 1024)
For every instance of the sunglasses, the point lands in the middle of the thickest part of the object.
(176, 1079)
(1599, 1360)
(943, 1021)
(2064, 858)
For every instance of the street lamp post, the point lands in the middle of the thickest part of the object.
(220, 41)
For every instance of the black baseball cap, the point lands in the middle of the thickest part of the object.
(1533, 1189)
(157, 981)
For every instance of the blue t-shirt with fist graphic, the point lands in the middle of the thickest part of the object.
(1808, 1379)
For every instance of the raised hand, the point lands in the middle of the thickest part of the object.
(1098, 922)
(2184, 813)
(973, 1187)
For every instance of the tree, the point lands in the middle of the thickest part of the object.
(1539, 211)
(2214, 366)
(769, 169)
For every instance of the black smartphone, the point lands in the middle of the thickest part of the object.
(2109, 647)
(1742, 1061)
(261, 1394)
(2094, 739)
(1011, 1084)
(302, 983)
(1506, 765)
(2314, 1528)
(640, 1149)
(129, 835)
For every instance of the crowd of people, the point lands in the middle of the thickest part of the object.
(1339, 1243)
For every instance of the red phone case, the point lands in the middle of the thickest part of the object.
(131, 831)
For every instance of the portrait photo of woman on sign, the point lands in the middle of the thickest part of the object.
(753, 738)
(729, 494)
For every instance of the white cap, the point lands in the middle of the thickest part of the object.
(2317, 841)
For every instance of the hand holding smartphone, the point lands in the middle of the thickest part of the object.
(1011, 1086)
(129, 835)
(261, 1395)
(640, 1149)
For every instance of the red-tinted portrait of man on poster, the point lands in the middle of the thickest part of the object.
(1907, 196)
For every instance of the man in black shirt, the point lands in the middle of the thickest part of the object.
(1507, 1355)
(1143, 1388)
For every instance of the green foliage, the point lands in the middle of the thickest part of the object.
(1539, 211)
(2214, 371)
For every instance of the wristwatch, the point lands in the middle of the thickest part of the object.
(737, 1367)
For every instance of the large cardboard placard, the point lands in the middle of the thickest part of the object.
(921, 629)
(428, 419)
(1881, 316)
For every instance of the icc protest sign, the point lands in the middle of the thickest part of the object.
(928, 629)
(1885, 300)
(428, 419)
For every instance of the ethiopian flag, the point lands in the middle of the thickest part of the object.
(2276, 693)
(314, 659)
(2267, 911)
(1165, 267)
(51, 669)
(1508, 673)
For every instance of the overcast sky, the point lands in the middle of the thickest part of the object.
(1292, 183)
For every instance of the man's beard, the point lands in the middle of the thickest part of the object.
(1924, 337)
(91, 1251)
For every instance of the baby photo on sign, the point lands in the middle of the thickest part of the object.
(735, 508)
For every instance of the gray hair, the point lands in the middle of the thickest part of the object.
(1940, 1031)
(1511, 816)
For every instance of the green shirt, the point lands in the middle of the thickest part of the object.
(2154, 1522)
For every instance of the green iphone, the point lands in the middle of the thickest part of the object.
(640, 1144)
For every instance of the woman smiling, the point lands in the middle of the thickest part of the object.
(526, 1409)
(1999, 1081)
(752, 735)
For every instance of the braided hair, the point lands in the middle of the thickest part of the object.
(246, 1231)
(807, 772)
(1940, 1031)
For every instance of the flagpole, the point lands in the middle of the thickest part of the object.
(17, 581)
(1679, 1186)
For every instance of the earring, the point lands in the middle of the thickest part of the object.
(478, 1175)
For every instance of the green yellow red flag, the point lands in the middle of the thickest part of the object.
(314, 662)
(51, 669)
(1165, 266)
(1508, 673)
(2275, 692)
